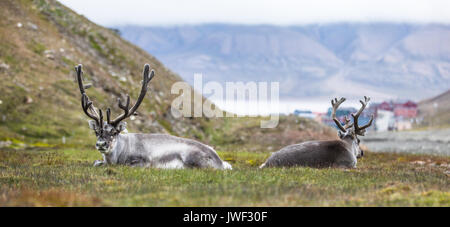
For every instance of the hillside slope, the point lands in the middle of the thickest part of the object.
(436, 110)
(40, 43)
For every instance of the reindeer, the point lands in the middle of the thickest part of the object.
(136, 149)
(334, 153)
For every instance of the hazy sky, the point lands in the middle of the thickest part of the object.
(279, 12)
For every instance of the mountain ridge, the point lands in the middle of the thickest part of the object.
(382, 60)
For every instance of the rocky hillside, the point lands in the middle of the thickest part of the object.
(40, 43)
(436, 110)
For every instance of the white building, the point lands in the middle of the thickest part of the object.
(385, 120)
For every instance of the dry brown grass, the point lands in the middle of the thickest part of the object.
(46, 198)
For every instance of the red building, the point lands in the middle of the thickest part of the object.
(401, 109)
(385, 106)
(406, 110)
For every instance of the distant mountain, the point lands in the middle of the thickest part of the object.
(382, 60)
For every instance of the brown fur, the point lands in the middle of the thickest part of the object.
(314, 154)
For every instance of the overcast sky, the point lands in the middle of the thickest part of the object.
(278, 12)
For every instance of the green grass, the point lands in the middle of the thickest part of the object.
(65, 177)
(37, 47)
(36, 170)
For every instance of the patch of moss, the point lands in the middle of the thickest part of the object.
(102, 37)
(11, 60)
(41, 145)
(14, 143)
(95, 45)
(67, 87)
(197, 134)
(68, 61)
(166, 125)
(100, 43)
(79, 31)
(37, 47)
(40, 3)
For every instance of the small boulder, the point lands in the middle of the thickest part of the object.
(28, 100)
(5, 143)
(32, 26)
(419, 163)
(49, 54)
(4, 66)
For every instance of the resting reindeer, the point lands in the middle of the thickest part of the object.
(334, 153)
(136, 149)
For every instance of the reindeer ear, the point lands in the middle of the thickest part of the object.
(122, 126)
(93, 124)
(341, 135)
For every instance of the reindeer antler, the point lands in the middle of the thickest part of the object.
(361, 130)
(86, 104)
(347, 123)
(128, 112)
(335, 104)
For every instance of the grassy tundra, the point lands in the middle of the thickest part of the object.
(41, 41)
(65, 177)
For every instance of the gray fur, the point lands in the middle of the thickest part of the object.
(319, 154)
(134, 149)
(335, 153)
(155, 150)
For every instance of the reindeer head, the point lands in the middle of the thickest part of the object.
(349, 132)
(107, 131)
